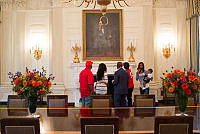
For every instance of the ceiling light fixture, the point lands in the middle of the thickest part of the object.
(102, 3)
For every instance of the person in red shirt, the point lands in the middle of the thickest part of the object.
(86, 81)
(130, 85)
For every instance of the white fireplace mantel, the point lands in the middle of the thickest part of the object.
(78, 67)
(111, 66)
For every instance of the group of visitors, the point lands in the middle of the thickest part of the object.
(123, 83)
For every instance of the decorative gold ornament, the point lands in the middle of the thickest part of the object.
(168, 49)
(131, 49)
(76, 50)
(102, 3)
(166, 52)
(37, 53)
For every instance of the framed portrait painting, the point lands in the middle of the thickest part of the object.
(102, 35)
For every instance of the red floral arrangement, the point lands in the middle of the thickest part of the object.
(31, 83)
(185, 83)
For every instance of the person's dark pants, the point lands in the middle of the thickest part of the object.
(129, 97)
(144, 91)
(120, 100)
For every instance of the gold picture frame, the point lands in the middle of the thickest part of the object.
(105, 44)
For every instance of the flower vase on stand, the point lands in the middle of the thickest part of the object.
(182, 104)
(32, 105)
(31, 85)
(182, 84)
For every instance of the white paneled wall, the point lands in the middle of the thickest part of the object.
(7, 46)
(166, 31)
(56, 29)
(72, 30)
(134, 29)
(37, 34)
(19, 42)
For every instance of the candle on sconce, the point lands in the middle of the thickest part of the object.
(165, 46)
(135, 42)
(36, 51)
(130, 42)
(74, 43)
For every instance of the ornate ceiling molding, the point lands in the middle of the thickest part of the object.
(148, 2)
(26, 4)
(48, 4)
(169, 3)
(20, 3)
(6, 4)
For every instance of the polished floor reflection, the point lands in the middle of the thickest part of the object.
(131, 119)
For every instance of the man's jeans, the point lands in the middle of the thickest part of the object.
(86, 101)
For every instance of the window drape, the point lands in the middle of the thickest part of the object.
(193, 13)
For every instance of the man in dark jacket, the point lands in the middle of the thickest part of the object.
(121, 80)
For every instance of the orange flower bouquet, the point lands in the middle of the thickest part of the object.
(183, 85)
(31, 85)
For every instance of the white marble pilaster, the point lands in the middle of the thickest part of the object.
(56, 50)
